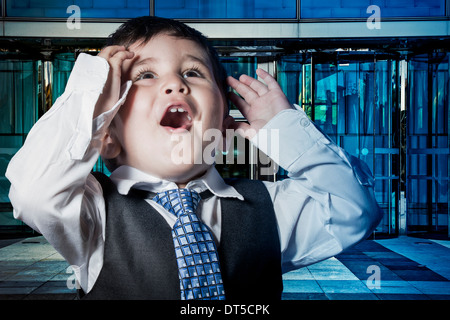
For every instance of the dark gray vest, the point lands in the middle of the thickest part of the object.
(139, 256)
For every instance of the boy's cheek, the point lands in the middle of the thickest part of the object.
(131, 105)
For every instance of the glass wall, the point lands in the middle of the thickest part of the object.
(428, 143)
(227, 9)
(352, 97)
(181, 9)
(84, 9)
(362, 9)
(18, 112)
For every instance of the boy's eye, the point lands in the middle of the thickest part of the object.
(192, 73)
(146, 75)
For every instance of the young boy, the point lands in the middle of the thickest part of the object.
(156, 88)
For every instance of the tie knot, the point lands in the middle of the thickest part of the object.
(178, 201)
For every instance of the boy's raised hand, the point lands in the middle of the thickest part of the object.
(115, 56)
(259, 103)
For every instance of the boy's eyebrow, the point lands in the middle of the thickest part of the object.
(144, 61)
(197, 59)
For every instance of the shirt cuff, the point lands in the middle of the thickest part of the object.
(287, 136)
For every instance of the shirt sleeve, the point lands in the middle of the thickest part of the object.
(327, 204)
(52, 190)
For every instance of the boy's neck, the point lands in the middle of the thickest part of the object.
(182, 185)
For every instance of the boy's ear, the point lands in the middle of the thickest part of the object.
(110, 147)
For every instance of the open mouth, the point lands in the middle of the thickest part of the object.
(176, 117)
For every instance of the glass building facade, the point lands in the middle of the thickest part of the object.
(382, 96)
(226, 9)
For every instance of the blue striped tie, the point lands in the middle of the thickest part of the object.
(197, 258)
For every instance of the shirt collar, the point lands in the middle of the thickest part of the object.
(126, 177)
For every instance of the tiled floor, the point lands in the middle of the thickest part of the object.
(408, 268)
(32, 269)
(403, 268)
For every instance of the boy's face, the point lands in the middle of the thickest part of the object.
(173, 100)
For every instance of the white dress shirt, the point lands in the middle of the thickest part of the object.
(325, 206)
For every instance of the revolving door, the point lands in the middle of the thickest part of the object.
(353, 97)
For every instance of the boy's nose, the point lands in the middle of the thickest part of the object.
(175, 85)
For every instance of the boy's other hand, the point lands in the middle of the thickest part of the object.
(259, 102)
(115, 56)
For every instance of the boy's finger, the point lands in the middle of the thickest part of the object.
(256, 85)
(109, 51)
(233, 83)
(122, 55)
(118, 58)
(243, 89)
(268, 79)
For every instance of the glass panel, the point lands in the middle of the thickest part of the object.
(62, 67)
(367, 82)
(349, 102)
(360, 9)
(325, 95)
(428, 144)
(236, 162)
(237, 66)
(354, 106)
(87, 9)
(226, 9)
(18, 112)
(294, 76)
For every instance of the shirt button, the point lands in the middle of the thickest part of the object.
(304, 122)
